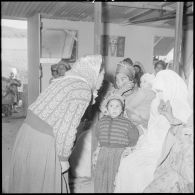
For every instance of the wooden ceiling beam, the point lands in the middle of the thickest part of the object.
(139, 5)
(143, 13)
(158, 19)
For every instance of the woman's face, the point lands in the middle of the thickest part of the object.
(61, 70)
(137, 69)
(158, 68)
(121, 80)
(144, 83)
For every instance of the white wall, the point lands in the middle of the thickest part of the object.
(138, 42)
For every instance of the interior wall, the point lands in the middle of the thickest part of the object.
(139, 42)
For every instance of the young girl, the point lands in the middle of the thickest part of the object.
(114, 133)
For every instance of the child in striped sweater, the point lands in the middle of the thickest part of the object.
(114, 133)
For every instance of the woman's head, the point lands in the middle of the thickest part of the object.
(128, 60)
(159, 65)
(147, 80)
(62, 67)
(124, 74)
(89, 67)
(138, 67)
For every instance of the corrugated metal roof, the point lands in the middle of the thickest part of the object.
(113, 12)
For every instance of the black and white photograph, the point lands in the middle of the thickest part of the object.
(97, 96)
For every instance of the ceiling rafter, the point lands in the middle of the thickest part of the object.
(138, 5)
(165, 17)
(141, 14)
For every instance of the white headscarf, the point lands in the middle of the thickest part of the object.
(88, 67)
(175, 90)
(148, 77)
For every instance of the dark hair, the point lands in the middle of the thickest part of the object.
(162, 63)
(128, 60)
(66, 63)
(138, 75)
(140, 69)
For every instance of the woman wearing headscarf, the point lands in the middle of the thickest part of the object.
(139, 71)
(174, 173)
(45, 140)
(136, 171)
(124, 82)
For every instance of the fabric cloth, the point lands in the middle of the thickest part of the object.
(175, 173)
(116, 132)
(175, 170)
(34, 165)
(149, 78)
(80, 159)
(139, 105)
(106, 169)
(142, 162)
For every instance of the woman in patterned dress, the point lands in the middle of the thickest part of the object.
(45, 140)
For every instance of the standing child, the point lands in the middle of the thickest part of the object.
(114, 134)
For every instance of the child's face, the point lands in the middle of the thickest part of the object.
(114, 108)
(145, 84)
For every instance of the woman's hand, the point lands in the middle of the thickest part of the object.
(65, 166)
(128, 86)
(95, 157)
(165, 109)
(126, 152)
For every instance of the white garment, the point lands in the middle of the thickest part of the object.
(80, 159)
(136, 170)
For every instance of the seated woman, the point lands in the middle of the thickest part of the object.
(174, 173)
(124, 82)
(136, 171)
(138, 108)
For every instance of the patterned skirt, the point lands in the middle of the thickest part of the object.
(106, 168)
(35, 167)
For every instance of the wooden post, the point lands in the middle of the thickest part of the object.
(178, 36)
(97, 50)
(97, 27)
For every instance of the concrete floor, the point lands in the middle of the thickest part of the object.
(10, 127)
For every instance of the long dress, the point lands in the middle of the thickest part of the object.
(47, 136)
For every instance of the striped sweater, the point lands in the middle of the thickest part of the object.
(116, 132)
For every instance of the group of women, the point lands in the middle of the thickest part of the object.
(45, 140)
